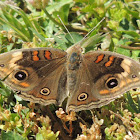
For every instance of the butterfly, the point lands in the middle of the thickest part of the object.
(48, 76)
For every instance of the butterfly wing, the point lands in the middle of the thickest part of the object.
(39, 74)
(100, 78)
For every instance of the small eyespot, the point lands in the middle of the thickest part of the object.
(21, 75)
(134, 76)
(112, 83)
(2, 65)
(83, 96)
(45, 91)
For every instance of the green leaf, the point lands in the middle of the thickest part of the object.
(38, 35)
(39, 137)
(11, 136)
(77, 37)
(62, 42)
(132, 105)
(112, 24)
(3, 92)
(90, 42)
(135, 54)
(138, 98)
(57, 5)
(63, 13)
(132, 11)
(111, 46)
(123, 51)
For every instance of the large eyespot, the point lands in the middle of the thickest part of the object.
(2, 65)
(45, 91)
(134, 76)
(21, 75)
(83, 96)
(112, 83)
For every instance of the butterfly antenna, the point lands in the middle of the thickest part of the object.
(66, 28)
(94, 28)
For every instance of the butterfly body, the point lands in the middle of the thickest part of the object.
(48, 75)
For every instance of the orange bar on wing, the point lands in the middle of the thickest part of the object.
(111, 58)
(35, 57)
(24, 84)
(48, 55)
(35, 52)
(99, 58)
(104, 92)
